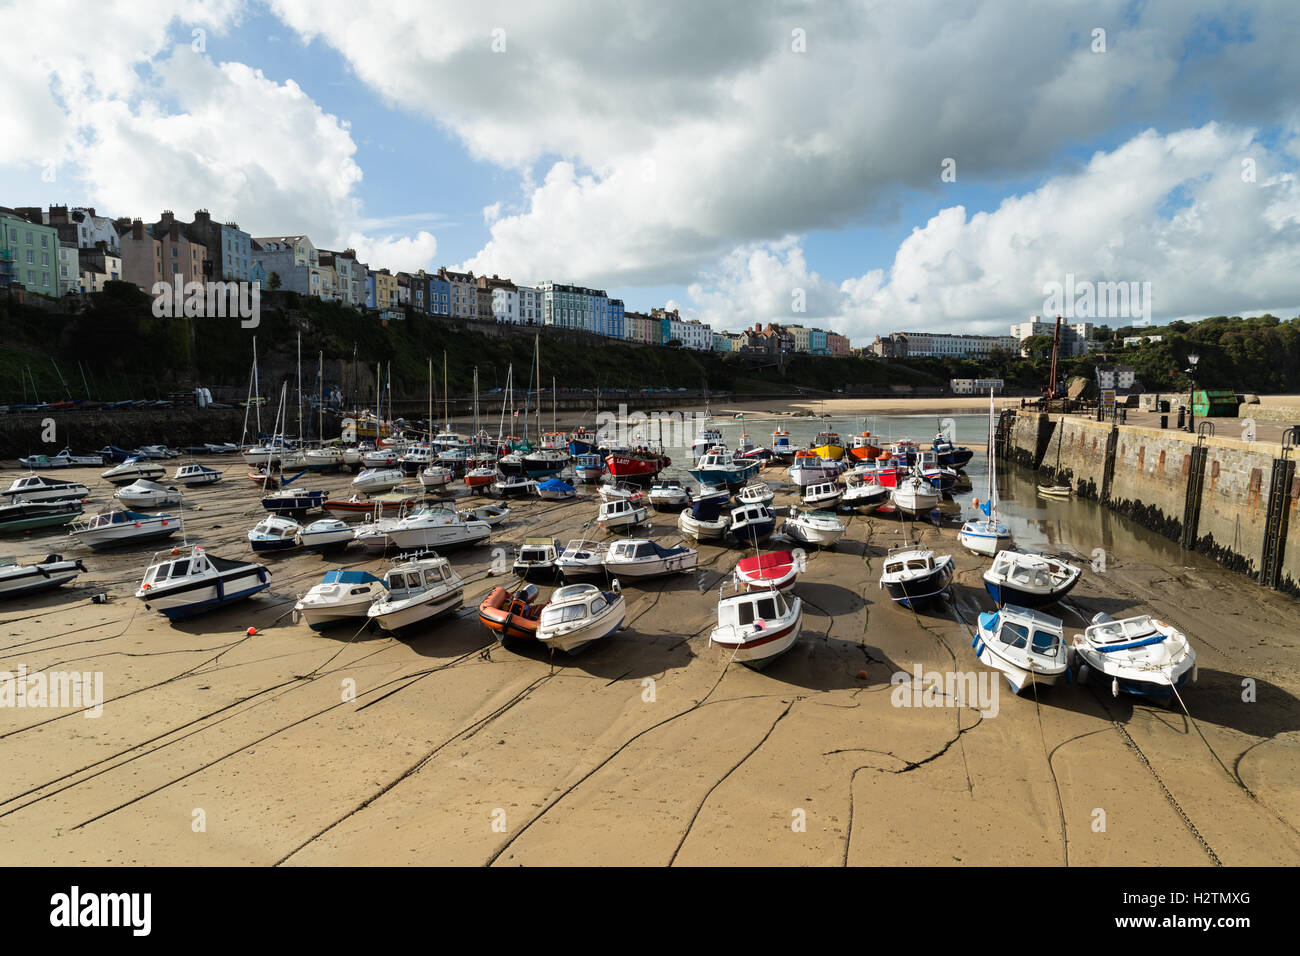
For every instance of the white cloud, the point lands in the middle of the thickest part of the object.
(397, 253)
(1170, 210)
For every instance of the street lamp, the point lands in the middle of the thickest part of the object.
(1192, 359)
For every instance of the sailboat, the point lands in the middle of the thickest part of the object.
(987, 535)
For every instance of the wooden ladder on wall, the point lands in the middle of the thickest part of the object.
(1195, 485)
(1275, 521)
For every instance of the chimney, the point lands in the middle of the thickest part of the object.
(202, 218)
(137, 230)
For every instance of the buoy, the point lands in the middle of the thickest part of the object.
(252, 631)
(862, 675)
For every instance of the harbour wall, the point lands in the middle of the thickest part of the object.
(1232, 500)
(88, 431)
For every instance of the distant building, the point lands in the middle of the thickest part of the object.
(294, 259)
(1075, 336)
(1141, 339)
(530, 305)
(463, 291)
(98, 266)
(838, 344)
(976, 386)
(1121, 378)
(230, 249)
(88, 229)
(947, 345)
(29, 253)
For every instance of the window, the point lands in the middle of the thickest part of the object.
(45, 242)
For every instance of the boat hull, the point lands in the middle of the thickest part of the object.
(414, 612)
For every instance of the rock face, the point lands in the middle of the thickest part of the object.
(85, 432)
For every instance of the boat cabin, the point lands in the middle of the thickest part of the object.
(1034, 633)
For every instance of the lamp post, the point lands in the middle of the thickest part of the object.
(1192, 359)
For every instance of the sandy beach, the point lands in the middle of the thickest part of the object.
(220, 747)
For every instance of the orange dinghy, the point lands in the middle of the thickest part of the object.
(512, 616)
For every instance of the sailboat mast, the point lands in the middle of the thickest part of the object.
(446, 407)
(299, 388)
(430, 401)
(320, 374)
(257, 388)
(476, 402)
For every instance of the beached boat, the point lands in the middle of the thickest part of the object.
(757, 626)
(513, 485)
(1140, 655)
(828, 445)
(480, 477)
(782, 447)
(668, 496)
(756, 493)
(274, 533)
(293, 501)
(545, 462)
(417, 587)
(718, 493)
(220, 448)
(511, 615)
(708, 437)
(823, 494)
(374, 481)
(589, 467)
(622, 513)
(1055, 491)
(863, 492)
(582, 559)
(181, 583)
(820, 529)
(610, 490)
(945, 479)
(325, 534)
(915, 496)
(643, 558)
(195, 475)
(340, 596)
(767, 570)
(553, 489)
(324, 458)
(915, 576)
(148, 494)
(37, 488)
(118, 527)
(29, 515)
(638, 464)
(579, 614)
(705, 520)
(864, 447)
(385, 506)
(536, 558)
(585, 441)
(718, 468)
(750, 525)
(950, 455)
(491, 515)
(436, 476)
(18, 579)
(1029, 580)
(64, 459)
(809, 469)
(424, 528)
(1027, 646)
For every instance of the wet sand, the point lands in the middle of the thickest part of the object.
(650, 747)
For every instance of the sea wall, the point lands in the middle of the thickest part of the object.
(1207, 493)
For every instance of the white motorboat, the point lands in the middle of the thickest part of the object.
(756, 493)
(818, 528)
(863, 492)
(340, 596)
(325, 534)
(582, 559)
(158, 452)
(427, 527)
(389, 456)
(823, 494)
(750, 525)
(537, 557)
(436, 476)
(324, 458)
(613, 490)
(915, 496)
(668, 496)
(147, 494)
(809, 469)
(195, 475)
(374, 481)
(181, 583)
(133, 469)
(64, 459)
(221, 448)
(513, 485)
(1027, 646)
(419, 587)
(579, 614)
(915, 576)
(643, 558)
(19, 579)
(757, 626)
(492, 515)
(705, 520)
(1029, 580)
(30, 489)
(118, 527)
(274, 533)
(621, 513)
(1140, 655)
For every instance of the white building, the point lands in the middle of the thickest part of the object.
(530, 305)
(1075, 336)
(1139, 339)
(692, 333)
(69, 269)
(91, 229)
(1118, 377)
(976, 386)
(349, 276)
(946, 345)
(294, 258)
(505, 305)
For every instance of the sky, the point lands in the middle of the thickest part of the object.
(868, 167)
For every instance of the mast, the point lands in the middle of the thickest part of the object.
(446, 407)
(993, 468)
(505, 397)
(476, 402)
(430, 404)
(299, 388)
(554, 427)
(320, 374)
(379, 399)
(248, 405)
(257, 387)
